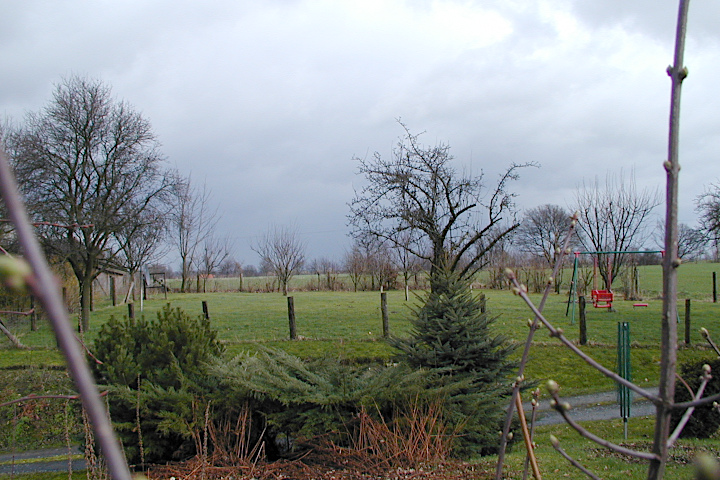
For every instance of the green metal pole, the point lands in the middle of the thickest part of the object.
(624, 370)
(573, 291)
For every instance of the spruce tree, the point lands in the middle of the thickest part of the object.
(452, 338)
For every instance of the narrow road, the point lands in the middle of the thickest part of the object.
(599, 406)
(37, 466)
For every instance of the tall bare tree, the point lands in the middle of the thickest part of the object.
(282, 250)
(614, 217)
(192, 222)
(354, 264)
(91, 164)
(141, 242)
(213, 253)
(692, 242)
(543, 231)
(708, 206)
(417, 190)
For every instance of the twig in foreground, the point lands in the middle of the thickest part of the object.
(556, 445)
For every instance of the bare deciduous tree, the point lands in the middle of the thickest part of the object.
(692, 242)
(614, 218)
(418, 191)
(708, 206)
(354, 262)
(192, 222)
(543, 231)
(88, 160)
(141, 243)
(213, 253)
(282, 250)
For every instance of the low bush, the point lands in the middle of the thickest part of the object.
(705, 420)
(42, 422)
(159, 389)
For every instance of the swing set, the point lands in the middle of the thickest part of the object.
(601, 297)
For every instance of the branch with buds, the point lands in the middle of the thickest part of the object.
(34, 273)
(563, 407)
(706, 335)
(706, 377)
(533, 325)
(556, 445)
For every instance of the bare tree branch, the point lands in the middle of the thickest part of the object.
(281, 249)
(573, 462)
(563, 407)
(418, 192)
(534, 325)
(686, 416)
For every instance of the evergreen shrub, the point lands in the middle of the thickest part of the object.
(452, 338)
(156, 374)
(705, 420)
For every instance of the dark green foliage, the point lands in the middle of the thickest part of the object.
(321, 397)
(161, 351)
(705, 420)
(452, 338)
(168, 357)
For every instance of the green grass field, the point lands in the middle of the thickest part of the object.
(348, 325)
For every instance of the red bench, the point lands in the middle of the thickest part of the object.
(602, 298)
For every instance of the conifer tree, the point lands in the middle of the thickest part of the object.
(451, 338)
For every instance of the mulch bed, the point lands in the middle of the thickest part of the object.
(320, 464)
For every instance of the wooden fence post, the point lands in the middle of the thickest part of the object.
(714, 287)
(583, 320)
(687, 321)
(33, 315)
(131, 310)
(206, 313)
(483, 303)
(384, 311)
(113, 296)
(291, 318)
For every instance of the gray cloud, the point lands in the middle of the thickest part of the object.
(268, 102)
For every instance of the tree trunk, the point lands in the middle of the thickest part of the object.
(185, 282)
(85, 295)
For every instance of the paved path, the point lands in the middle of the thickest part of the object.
(7, 468)
(599, 406)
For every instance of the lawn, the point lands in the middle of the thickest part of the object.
(601, 461)
(348, 325)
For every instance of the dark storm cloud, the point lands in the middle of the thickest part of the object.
(268, 102)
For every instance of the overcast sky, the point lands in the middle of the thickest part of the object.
(267, 102)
